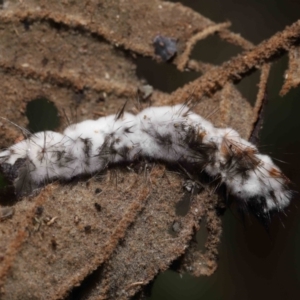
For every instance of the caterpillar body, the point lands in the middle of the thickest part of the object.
(173, 134)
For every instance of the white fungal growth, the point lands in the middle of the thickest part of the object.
(172, 134)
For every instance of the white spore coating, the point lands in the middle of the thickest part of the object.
(172, 134)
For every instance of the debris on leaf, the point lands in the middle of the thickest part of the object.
(6, 213)
(165, 47)
(145, 91)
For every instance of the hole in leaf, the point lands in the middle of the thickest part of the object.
(248, 87)
(162, 76)
(171, 285)
(214, 50)
(201, 236)
(42, 115)
(86, 286)
(183, 206)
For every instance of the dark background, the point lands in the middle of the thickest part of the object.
(253, 264)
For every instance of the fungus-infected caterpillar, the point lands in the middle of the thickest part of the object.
(173, 134)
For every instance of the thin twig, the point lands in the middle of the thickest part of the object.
(240, 66)
(235, 39)
(261, 100)
(184, 57)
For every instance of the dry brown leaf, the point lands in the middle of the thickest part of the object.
(80, 55)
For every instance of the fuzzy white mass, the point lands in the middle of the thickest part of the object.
(172, 134)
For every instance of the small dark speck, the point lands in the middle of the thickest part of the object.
(53, 243)
(39, 210)
(87, 228)
(98, 191)
(97, 206)
(79, 96)
(44, 61)
(26, 24)
(100, 99)
(165, 47)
